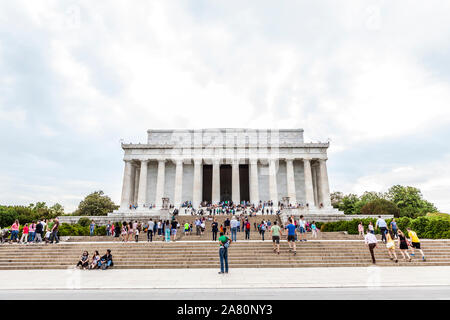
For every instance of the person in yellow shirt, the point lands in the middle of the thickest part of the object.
(415, 242)
(390, 245)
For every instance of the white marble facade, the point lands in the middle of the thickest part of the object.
(278, 164)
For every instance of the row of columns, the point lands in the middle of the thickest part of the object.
(317, 191)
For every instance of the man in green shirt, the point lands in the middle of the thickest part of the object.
(186, 228)
(224, 242)
(276, 232)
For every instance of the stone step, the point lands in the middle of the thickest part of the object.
(275, 265)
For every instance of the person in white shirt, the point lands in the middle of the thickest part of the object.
(151, 225)
(302, 229)
(371, 242)
(234, 224)
(383, 228)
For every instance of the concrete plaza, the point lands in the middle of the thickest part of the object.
(300, 283)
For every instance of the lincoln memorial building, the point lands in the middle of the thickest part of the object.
(213, 165)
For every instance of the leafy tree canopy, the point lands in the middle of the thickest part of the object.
(95, 204)
(408, 200)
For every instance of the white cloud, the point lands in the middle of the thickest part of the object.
(351, 72)
(433, 179)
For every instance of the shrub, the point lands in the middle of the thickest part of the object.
(434, 227)
(381, 207)
(84, 222)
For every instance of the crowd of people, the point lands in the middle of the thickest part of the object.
(45, 231)
(388, 237)
(228, 207)
(96, 262)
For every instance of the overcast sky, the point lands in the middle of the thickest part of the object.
(78, 76)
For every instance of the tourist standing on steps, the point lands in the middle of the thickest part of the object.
(291, 236)
(124, 232)
(247, 230)
(224, 243)
(151, 224)
(32, 232)
(370, 228)
(25, 231)
(403, 245)
(415, 243)
(234, 224)
(262, 229)
(383, 228)
(130, 231)
(226, 226)
(39, 230)
(314, 229)
(302, 229)
(186, 228)
(174, 225)
(159, 229)
(214, 229)
(15, 231)
(390, 245)
(361, 229)
(167, 231)
(55, 229)
(394, 227)
(276, 233)
(371, 240)
(91, 228)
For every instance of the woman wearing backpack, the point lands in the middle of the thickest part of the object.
(262, 229)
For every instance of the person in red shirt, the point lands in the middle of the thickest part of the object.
(24, 238)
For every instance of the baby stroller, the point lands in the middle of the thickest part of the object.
(5, 235)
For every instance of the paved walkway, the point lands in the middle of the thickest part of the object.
(372, 277)
(355, 293)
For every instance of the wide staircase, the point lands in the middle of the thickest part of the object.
(204, 254)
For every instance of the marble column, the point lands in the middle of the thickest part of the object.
(273, 190)
(132, 183)
(290, 181)
(126, 186)
(323, 185)
(142, 192)
(160, 181)
(215, 197)
(178, 183)
(315, 176)
(254, 187)
(136, 185)
(309, 189)
(197, 187)
(235, 183)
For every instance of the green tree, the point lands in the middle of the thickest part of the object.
(95, 204)
(336, 199)
(410, 201)
(57, 209)
(348, 203)
(381, 207)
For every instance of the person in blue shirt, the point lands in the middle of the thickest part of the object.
(394, 228)
(291, 236)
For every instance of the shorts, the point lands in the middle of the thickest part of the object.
(302, 230)
(174, 231)
(415, 245)
(276, 239)
(291, 238)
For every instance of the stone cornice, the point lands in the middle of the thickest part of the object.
(224, 146)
